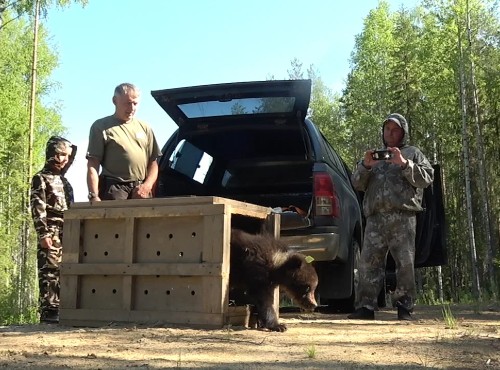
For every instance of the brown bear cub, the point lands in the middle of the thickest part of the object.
(258, 264)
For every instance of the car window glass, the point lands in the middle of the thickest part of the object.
(231, 107)
(190, 161)
(231, 145)
(334, 158)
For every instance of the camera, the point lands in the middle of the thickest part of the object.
(381, 154)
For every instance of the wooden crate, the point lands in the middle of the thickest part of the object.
(152, 261)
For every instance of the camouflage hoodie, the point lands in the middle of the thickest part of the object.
(387, 187)
(51, 193)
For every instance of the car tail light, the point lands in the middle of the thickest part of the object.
(325, 196)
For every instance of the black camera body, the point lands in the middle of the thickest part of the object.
(382, 155)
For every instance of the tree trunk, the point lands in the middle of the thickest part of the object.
(476, 287)
(483, 186)
(24, 298)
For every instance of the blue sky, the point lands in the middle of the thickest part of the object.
(159, 44)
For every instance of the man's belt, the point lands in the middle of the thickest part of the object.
(112, 181)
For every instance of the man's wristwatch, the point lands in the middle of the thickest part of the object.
(92, 195)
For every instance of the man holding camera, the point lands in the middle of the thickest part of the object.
(393, 180)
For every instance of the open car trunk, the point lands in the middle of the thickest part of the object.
(245, 141)
(283, 183)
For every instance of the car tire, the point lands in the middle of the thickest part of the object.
(346, 305)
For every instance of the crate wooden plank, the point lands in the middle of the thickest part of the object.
(125, 269)
(71, 240)
(129, 239)
(236, 316)
(217, 248)
(103, 241)
(129, 247)
(68, 297)
(170, 294)
(177, 200)
(157, 211)
(214, 242)
(170, 239)
(272, 226)
(88, 317)
(127, 294)
(165, 293)
(215, 294)
(239, 316)
(101, 292)
(237, 207)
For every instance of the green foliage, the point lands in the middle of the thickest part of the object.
(18, 295)
(311, 351)
(23, 7)
(449, 320)
(428, 298)
(324, 108)
(367, 97)
(410, 62)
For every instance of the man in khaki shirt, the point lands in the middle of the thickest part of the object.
(126, 150)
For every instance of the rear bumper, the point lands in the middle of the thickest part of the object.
(322, 245)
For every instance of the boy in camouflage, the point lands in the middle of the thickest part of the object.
(51, 195)
(393, 184)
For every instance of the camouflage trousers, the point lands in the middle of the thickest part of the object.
(49, 261)
(394, 232)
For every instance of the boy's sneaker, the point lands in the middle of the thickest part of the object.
(362, 313)
(50, 317)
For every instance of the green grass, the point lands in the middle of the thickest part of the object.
(179, 361)
(311, 351)
(449, 319)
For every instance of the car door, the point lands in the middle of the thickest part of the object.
(430, 242)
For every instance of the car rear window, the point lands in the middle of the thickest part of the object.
(238, 107)
(251, 144)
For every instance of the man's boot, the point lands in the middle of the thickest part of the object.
(362, 313)
(404, 314)
(405, 308)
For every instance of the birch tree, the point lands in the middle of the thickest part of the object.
(17, 72)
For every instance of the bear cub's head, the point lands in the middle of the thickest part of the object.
(299, 280)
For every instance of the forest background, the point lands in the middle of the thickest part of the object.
(438, 64)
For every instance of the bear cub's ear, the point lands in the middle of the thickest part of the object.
(294, 262)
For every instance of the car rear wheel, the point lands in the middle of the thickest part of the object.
(346, 305)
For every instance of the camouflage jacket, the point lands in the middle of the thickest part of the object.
(51, 195)
(387, 187)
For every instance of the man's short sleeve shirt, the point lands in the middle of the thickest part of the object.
(123, 149)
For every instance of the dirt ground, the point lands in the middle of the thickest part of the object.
(313, 341)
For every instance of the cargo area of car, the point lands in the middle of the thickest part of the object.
(270, 183)
(255, 167)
